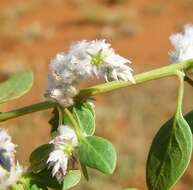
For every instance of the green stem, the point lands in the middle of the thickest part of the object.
(180, 92)
(139, 78)
(73, 122)
(103, 88)
(60, 112)
(27, 109)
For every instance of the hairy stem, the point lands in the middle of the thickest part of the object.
(169, 70)
(139, 78)
(27, 109)
(181, 76)
(73, 122)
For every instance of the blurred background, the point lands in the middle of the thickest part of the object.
(33, 31)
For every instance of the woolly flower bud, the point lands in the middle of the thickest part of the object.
(63, 94)
(9, 171)
(64, 144)
(183, 45)
(84, 60)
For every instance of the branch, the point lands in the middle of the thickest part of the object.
(166, 71)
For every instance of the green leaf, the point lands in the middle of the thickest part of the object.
(170, 154)
(16, 86)
(189, 118)
(45, 177)
(131, 188)
(90, 107)
(84, 115)
(34, 185)
(17, 187)
(28, 184)
(39, 157)
(71, 179)
(98, 153)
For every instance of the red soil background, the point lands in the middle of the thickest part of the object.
(32, 32)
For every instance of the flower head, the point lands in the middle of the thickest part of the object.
(58, 160)
(84, 60)
(63, 94)
(7, 150)
(100, 60)
(183, 45)
(9, 171)
(64, 144)
(66, 136)
(11, 178)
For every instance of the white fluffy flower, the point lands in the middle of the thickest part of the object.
(66, 135)
(7, 150)
(63, 94)
(98, 58)
(6, 143)
(183, 45)
(65, 70)
(11, 178)
(58, 160)
(9, 171)
(63, 80)
(64, 144)
(84, 60)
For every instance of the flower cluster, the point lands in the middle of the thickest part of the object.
(84, 60)
(10, 171)
(183, 45)
(64, 144)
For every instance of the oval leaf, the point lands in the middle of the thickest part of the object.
(90, 106)
(28, 184)
(45, 177)
(16, 86)
(17, 187)
(98, 153)
(71, 179)
(39, 157)
(169, 155)
(84, 115)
